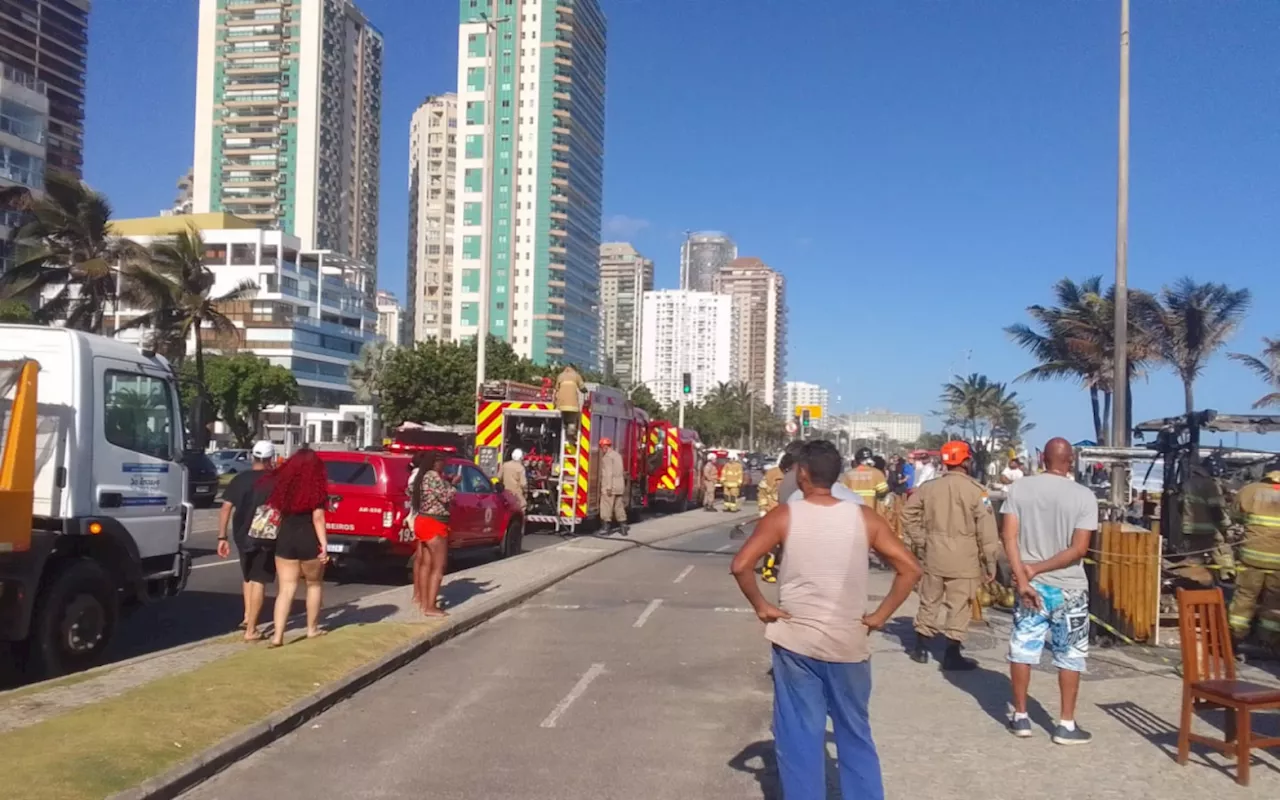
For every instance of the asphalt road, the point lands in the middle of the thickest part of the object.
(643, 676)
(212, 603)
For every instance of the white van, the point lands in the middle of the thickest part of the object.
(110, 513)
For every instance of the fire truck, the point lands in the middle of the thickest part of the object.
(560, 448)
(673, 465)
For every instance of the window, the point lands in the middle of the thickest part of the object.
(139, 414)
(474, 481)
(351, 473)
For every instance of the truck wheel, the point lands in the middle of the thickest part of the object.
(74, 621)
(512, 540)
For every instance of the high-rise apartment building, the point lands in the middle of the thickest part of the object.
(288, 119)
(433, 161)
(48, 40)
(799, 393)
(879, 424)
(544, 187)
(390, 318)
(684, 332)
(625, 276)
(24, 110)
(759, 327)
(701, 257)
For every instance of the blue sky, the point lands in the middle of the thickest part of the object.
(920, 171)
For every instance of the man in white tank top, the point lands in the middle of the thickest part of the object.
(821, 659)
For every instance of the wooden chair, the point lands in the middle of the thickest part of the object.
(1209, 681)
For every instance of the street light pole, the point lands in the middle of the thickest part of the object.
(1120, 374)
(751, 419)
(486, 193)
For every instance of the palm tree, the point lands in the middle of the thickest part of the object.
(1075, 340)
(174, 289)
(1191, 322)
(967, 402)
(67, 247)
(1267, 368)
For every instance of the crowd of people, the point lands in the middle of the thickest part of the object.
(949, 542)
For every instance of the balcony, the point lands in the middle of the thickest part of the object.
(234, 68)
(248, 199)
(23, 130)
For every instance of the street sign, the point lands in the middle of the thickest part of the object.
(815, 412)
(791, 427)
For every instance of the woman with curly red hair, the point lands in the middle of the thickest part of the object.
(300, 494)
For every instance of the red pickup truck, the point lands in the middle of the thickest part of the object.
(369, 500)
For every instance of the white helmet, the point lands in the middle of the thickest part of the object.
(517, 454)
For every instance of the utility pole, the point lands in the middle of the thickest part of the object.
(1120, 374)
(751, 419)
(491, 21)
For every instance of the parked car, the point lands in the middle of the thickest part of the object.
(202, 478)
(369, 501)
(231, 462)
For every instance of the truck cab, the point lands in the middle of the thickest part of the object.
(109, 511)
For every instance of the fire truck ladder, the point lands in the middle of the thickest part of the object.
(569, 483)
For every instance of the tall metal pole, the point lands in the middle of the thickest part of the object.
(1120, 375)
(680, 424)
(486, 192)
(751, 420)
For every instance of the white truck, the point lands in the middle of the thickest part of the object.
(93, 506)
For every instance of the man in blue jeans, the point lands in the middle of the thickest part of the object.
(821, 657)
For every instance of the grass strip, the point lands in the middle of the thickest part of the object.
(103, 748)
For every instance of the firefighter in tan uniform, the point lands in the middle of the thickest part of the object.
(866, 480)
(731, 479)
(1257, 594)
(613, 489)
(569, 388)
(1205, 521)
(710, 477)
(949, 525)
(767, 492)
(512, 477)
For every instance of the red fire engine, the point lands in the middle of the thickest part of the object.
(673, 464)
(560, 448)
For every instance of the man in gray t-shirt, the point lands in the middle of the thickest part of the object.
(1049, 520)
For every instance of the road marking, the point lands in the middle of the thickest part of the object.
(644, 615)
(577, 691)
(215, 563)
(684, 573)
(724, 548)
(732, 610)
(554, 607)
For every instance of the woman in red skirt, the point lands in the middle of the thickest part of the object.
(432, 499)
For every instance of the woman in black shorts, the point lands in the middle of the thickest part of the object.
(300, 494)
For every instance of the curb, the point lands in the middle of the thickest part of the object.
(205, 765)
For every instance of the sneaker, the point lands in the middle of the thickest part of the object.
(1020, 727)
(1076, 735)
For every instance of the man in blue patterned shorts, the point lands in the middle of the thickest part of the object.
(1049, 520)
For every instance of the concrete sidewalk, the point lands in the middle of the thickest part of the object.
(942, 735)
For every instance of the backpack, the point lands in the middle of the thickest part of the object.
(265, 524)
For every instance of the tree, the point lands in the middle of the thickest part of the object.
(1075, 340)
(435, 381)
(1267, 367)
(931, 441)
(368, 371)
(1191, 322)
(239, 387)
(67, 247)
(967, 402)
(643, 399)
(174, 289)
(15, 311)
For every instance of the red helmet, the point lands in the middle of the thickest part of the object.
(606, 442)
(955, 453)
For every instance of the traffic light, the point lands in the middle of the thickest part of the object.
(804, 421)
(687, 388)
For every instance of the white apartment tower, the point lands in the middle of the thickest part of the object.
(759, 328)
(546, 68)
(433, 161)
(684, 332)
(799, 393)
(289, 119)
(625, 276)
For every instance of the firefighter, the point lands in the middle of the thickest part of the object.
(767, 493)
(731, 479)
(1257, 507)
(950, 527)
(613, 489)
(1204, 519)
(569, 388)
(867, 480)
(512, 477)
(710, 477)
